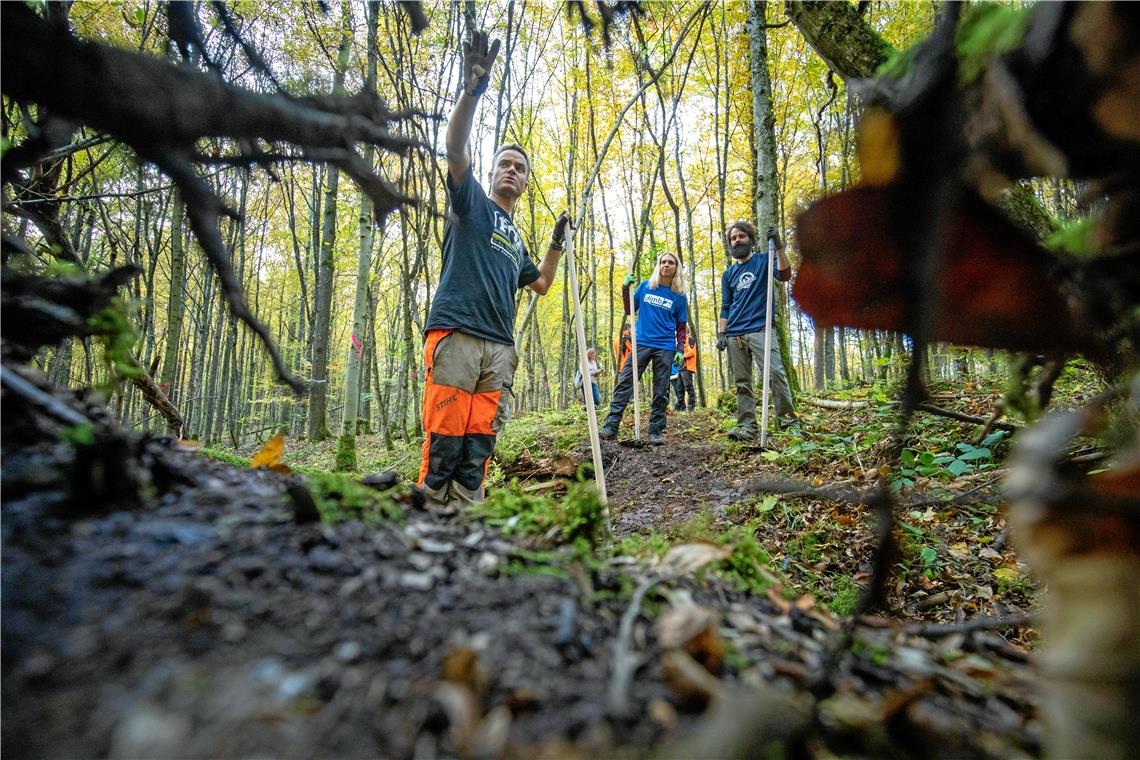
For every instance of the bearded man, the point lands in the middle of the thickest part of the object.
(743, 320)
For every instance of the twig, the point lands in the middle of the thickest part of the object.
(626, 661)
(980, 623)
(45, 401)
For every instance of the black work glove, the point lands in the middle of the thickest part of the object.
(558, 237)
(773, 235)
(721, 341)
(477, 60)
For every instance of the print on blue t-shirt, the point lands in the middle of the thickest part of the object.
(659, 311)
(744, 296)
(484, 263)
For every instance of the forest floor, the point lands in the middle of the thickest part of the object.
(159, 603)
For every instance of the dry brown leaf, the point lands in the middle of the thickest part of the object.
(270, 454)
(688, 558)
(461, 666)
(694, 686)
(492, 733)
(694, 629)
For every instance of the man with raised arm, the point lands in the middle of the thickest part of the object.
(469, 353)
(743, 320)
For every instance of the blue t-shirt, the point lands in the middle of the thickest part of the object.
(484, 262)
(744, 295)
(659, 311)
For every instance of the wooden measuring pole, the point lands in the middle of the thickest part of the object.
(584, 368)
(767, 344)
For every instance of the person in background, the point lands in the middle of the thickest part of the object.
(743, 315)
(684, 383)
(469, 352)
(595, 370)
(622, 346)
(662, 313)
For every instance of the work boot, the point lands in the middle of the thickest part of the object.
(608, 432)
(656, 439)
(740, 435)
(788, 421)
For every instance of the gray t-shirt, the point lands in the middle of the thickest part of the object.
(484, 262)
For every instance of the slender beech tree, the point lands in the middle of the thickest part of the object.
(346, 446)
(322, 308)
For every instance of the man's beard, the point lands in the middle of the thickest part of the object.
(740, 252)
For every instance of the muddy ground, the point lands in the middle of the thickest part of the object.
(200, 616)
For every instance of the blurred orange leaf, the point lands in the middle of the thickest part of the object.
(270, 455)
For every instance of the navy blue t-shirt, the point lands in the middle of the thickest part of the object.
(744, 295)
(659, 311)
(484, 262)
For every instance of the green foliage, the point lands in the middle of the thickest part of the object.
(745, 568)
(962, 459)
(345, 453)
(987, 30)
(897, 64)
(82, 434)
(1075, 236)
(340, 497)
(576, 517)
(844, 597)
(117, 335)
(555, 430)
(726, 403)
(224, 456)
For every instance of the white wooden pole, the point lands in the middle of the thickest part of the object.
(633, 365)
(767, 343)
(587, 379)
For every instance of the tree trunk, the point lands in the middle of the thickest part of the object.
(176, 305)
(346, 448)
(322, 308)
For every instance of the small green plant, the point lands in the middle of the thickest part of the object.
(117, 334)
(844, 597)
(82, 434)
(963, 458)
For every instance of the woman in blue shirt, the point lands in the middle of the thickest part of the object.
(662, 323)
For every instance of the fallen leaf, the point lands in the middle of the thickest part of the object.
(270, 454)
(461, 666)
(462, 711)
(693, 686)
(688, 558)
(694, 629)
(662, 713)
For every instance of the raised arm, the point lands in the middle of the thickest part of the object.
(477, 60)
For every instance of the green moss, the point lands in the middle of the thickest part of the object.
(340, 497)
(806, 546)
(845, 596)
(745, 567)
(576, 517)
(345, 458)
(224, 456)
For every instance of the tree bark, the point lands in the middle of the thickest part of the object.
(322, 309)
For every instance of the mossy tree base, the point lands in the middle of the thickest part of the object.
(345, 453)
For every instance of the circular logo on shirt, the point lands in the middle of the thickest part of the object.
(745, 281)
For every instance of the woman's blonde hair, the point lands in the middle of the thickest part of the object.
(678, 284)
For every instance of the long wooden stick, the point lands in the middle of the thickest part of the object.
(767, 344)
(587, 379)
